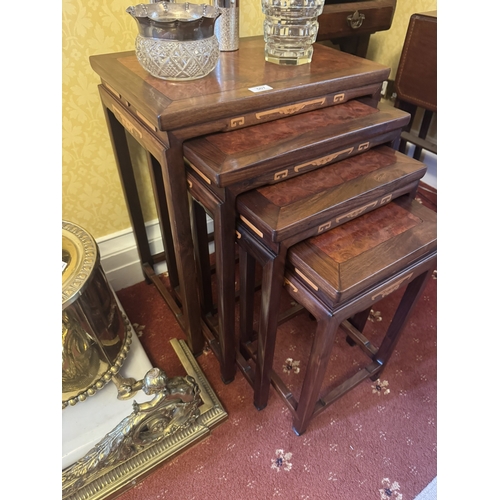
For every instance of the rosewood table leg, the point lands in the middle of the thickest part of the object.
(272, 284)
(175, 184)
(315, 372)
(403, 312)
(129, 186)
(162, 211)
(247, 294)
(224, 233)
(201, 249)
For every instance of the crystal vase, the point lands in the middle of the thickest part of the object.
(176, 41)
(290, 29)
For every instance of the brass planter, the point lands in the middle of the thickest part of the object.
(95, 341)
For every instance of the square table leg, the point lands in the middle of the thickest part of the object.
(170, 187)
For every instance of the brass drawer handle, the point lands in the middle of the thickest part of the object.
(355, 20)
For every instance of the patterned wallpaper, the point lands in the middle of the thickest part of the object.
(385, 46)
(91, 191)
(92, 195)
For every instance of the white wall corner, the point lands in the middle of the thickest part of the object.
(119, 257)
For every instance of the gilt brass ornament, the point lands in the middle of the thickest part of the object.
(182, 412)
(174, 406)
(96, 336)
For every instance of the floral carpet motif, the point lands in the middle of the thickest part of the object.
(281, 461)
(390, 491)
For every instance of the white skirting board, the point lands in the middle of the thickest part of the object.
(119, 257)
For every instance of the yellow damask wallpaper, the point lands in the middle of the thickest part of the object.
(385, 46)
(91, 191)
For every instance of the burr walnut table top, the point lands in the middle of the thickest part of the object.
(318, 200)
(358, 254)
(305, 141)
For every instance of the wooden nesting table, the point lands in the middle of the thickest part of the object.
(242, 91)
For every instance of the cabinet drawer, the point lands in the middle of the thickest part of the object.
(334, 22)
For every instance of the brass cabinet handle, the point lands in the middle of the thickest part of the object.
(355, 20)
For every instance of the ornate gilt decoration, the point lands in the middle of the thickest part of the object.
(80, 260)
(82, 367)
(113, 478)
(174, 407)
(96, 335)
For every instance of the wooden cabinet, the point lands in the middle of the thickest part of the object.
(350, 24)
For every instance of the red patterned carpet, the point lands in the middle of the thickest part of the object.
(377, 442)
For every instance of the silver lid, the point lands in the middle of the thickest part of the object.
(175, 21)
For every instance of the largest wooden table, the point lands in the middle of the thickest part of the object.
(243, 90)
